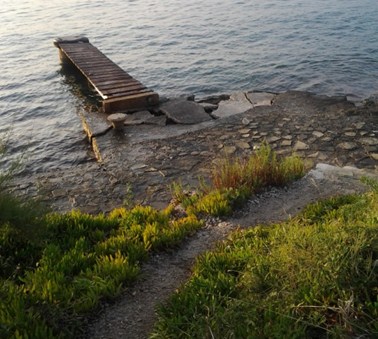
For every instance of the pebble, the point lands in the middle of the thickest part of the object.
(245, 121)
(317, 134)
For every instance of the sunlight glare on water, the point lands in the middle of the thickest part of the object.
(175, 47)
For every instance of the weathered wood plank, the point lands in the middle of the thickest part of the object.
(114, 91)
(130, 102)
(125, 93)
(119, 85)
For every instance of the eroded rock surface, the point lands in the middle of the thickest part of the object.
(184, 112)
(140, 162)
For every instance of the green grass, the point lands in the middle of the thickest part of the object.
(314, 276)
(80, 261)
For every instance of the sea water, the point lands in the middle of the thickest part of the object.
(174, 47)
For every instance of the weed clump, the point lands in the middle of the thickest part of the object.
(235, 180)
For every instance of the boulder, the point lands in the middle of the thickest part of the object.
(185, 112)
(138, 118)
(260, 98)
(238, 103)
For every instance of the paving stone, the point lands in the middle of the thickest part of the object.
(359, 125)
(286, 143)
(369, 141)
(184, 112)
(229, 149)
(243, 145)
(300, 146)
(273, 139)
(348, 146)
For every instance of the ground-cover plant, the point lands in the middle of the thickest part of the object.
(314, 276)
(234, 180)
(81, 260)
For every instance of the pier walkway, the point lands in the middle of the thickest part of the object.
(119, 91)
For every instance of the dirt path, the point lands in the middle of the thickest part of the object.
(133, 315)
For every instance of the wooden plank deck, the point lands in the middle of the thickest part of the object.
(119, 91)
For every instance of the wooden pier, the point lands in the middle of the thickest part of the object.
(119, 91)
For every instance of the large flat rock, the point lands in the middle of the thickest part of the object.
(94, 123)
(238, 103)
(184, 112)
(260, 98)
(145, 117)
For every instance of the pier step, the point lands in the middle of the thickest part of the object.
(119, 90)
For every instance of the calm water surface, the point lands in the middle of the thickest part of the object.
(175, 47)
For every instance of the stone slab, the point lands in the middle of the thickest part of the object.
(184, 112)
(260, 98)
(157, 120)
(238, 103)
(94, 124)
(138, 118)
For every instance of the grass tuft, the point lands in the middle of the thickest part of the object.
(235, 180)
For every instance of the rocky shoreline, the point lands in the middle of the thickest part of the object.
(140, 162)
